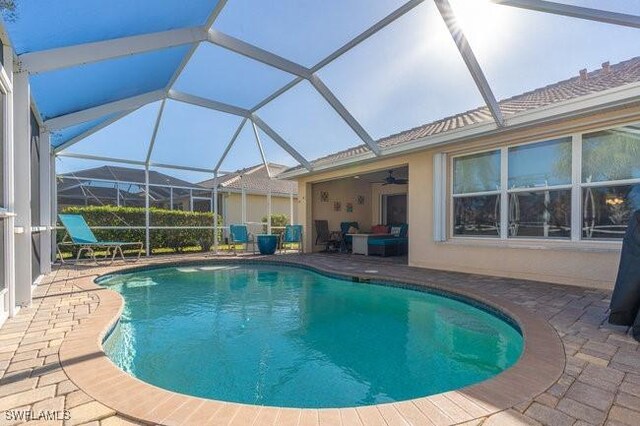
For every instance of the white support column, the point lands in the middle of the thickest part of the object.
(171, 198)
(147, 218)
(191, 200)
(45, 202)
(9, 179)
(244, 201)
(22, 184)
(576, 190)
(118, 194)
(215, 213)
(269, 210)
(504, 196)
(291, 221)
(54, 207)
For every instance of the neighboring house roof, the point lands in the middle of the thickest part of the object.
(255, 179)
(607, 77)
(126, 174)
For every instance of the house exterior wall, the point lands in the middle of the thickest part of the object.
(585, 263)
(256, 207)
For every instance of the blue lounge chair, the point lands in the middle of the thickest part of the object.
(82, 236)
(292, 235)
(239, 234)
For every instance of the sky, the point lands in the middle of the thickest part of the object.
(408, 74)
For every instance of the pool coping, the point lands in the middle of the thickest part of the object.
(85, 363)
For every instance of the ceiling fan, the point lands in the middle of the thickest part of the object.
(392, 180)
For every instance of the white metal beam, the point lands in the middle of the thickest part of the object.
(243, 48)
(470, 60)
(579, 12)
(135, 162)
(217, 10)
(280, 141)
(100, 158)
(207, 103)
(64, 57)
(91, 131)
(344, 113)
(210, 20)
(45, 202)
(260, 148)
(393, 16)
(188, 168)
(155, 131)
(229, 145)
(96, 112)
(22, 188)
(277, 93)
(390, 18)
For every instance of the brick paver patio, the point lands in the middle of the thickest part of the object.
(600, 384)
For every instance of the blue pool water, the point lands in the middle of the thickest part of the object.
(285, 336)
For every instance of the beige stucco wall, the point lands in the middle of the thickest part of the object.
(256, 207)
(576, 263)
(343, 191)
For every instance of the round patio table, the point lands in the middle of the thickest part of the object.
(267, 243)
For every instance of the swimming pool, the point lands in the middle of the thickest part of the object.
(286, 336)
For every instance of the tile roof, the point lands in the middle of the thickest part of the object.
(607, 77)
(256, 180)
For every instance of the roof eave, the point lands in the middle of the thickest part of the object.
(573, 108)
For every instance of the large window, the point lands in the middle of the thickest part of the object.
(539, 177)
(610, 181)
(476, 194)
(581, 187)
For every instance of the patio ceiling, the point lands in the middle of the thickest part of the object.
(105, 61)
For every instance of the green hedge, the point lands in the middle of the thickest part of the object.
(175, 239)
(277, 219)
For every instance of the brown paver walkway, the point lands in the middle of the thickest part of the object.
(600, 383)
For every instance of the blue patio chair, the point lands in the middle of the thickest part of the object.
(292, 235)
(239, 234)
(82, 237)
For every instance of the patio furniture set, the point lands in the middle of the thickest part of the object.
(267, 243)
(82, 238)
(383, 240)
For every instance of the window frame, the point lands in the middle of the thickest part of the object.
(576, 186)
(452, 196)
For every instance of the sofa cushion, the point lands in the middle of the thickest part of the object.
(380, 229)
(387, 241)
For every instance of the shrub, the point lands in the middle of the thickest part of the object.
(175, 239)
(276, 220)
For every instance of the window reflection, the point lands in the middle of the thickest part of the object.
(545, 214)
(611, 155)
(476, 173)
(477, 216)
(541, 164)
(607, 209)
